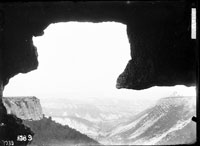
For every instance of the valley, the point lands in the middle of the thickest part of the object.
(163, 121)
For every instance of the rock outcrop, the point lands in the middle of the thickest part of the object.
(162, 51)
(11, 129)
(26, 108)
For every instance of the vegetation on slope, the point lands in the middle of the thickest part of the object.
(48, 133)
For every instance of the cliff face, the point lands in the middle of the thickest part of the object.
(26, 108)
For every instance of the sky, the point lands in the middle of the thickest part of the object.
(81, 60)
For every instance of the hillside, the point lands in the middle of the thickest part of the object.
(94, 117)
(50, 133)
(168, 122)
(44, 130)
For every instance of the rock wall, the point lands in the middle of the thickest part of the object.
(26, 108)
(162, 51)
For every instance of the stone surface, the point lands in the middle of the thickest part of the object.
(11, 128)
(26, 108)
(162, 51)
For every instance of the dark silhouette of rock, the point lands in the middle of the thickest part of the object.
(194, 119)
(162, 51)
(11, 129)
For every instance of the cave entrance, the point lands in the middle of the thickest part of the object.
(79, 63)
(83, 59)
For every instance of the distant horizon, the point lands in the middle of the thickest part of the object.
(169, 92)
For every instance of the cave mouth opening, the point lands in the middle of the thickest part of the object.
(83, 59)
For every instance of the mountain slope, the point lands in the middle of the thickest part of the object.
(94, 117)
(167, 121)
(50, 133)
(44, 130)
(162, 124)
